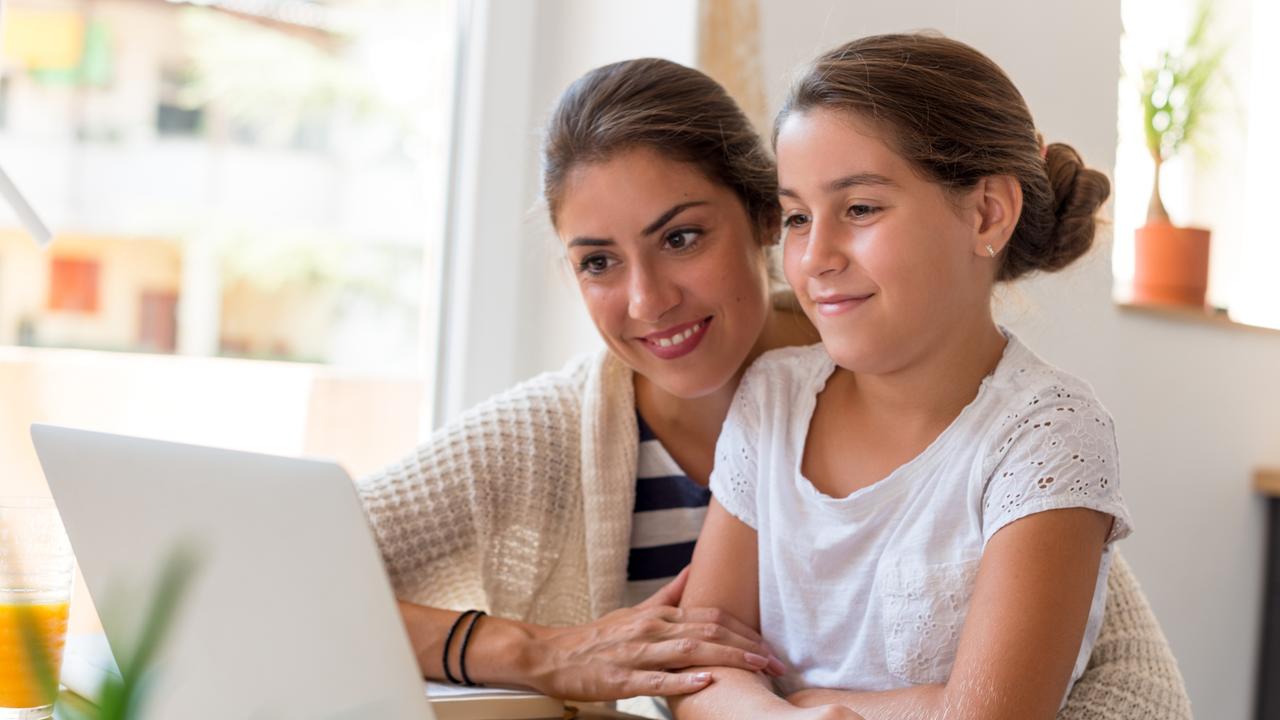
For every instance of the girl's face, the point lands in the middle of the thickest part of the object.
(882, 260)
(670, 268)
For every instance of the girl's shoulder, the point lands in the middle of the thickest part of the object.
(789, 365)
(1024, 379)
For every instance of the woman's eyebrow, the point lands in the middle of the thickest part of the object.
(590, 242)
(666, 217)
(649, 229)
(846, 182)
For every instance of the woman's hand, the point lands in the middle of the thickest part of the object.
(641, 650)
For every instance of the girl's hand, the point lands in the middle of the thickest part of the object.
(826, 712)
(642, 651)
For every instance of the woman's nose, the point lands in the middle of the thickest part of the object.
(650, 296)
(825, 251)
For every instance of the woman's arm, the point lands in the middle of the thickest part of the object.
(724, 575)
(1023, 631)
(626, 653)
(444, 507)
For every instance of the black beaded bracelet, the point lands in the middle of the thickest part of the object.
(448, 641)
(466, 640)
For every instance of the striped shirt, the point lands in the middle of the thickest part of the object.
(668, 516)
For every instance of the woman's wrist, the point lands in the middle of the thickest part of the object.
(504, 652)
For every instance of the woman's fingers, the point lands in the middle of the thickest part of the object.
(715, 616)
(668, 595)
(652, 682)
(690, 652)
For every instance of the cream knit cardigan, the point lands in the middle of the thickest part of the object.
(522, 506)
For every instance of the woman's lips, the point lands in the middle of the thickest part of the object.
(678, 340)
(832, 305)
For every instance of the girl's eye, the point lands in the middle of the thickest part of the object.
(858, 212)
(681, 239)
(594, 264)
(795, 220)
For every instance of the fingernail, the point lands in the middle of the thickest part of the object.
(702, 677)
(776, 665)
(758, 661)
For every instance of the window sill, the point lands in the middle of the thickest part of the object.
(1207, 316)
(1266, 481)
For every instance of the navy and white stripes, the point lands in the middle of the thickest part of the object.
(668, 516)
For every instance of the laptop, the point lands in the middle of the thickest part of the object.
(290, 613)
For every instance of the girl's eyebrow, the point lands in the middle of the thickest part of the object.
(649, 229)
(848, 181)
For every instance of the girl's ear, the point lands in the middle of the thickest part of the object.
(998, 206)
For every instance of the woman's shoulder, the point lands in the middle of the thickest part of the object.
(548, 405)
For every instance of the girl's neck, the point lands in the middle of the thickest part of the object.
(933, 388)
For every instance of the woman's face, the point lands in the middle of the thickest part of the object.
(881, 259)
(670, 268)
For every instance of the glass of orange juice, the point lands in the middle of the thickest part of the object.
(36, 571)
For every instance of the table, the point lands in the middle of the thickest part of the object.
(1266, 481)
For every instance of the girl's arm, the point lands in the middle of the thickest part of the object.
(1023, 631)
(724, 576)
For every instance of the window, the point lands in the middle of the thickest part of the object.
(73, 285)
(1226, 180)
(228, 183)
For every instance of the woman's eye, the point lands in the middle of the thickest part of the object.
(681, 239)
(593, 264)
(862, 211)
(795, 220)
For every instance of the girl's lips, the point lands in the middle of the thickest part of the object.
(676, 341)
(832, 305)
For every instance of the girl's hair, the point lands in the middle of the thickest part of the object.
(956, 116)
(666, 107)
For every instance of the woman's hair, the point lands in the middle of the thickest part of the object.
(666, 107)
(957, 118)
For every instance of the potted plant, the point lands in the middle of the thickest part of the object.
(1171, 262)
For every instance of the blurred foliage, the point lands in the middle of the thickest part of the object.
(122, 697)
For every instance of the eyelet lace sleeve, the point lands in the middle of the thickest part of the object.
(1056, 450)
(733, 480)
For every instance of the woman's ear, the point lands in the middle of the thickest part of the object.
(998, 206)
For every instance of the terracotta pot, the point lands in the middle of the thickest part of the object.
(1171, 265)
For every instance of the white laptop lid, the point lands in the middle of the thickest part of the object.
(290, 614)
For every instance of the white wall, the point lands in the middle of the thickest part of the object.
(520, 309)
(1198, 407)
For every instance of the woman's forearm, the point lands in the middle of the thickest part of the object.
(499, 652)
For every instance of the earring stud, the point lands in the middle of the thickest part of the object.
(991, 251)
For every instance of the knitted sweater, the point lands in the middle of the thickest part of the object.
(522, 506)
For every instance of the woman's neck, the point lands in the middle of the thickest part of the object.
(689, 427)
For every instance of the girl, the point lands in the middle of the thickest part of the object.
(919, 511)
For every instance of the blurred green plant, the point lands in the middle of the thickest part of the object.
(122, 697)
(1177, 98)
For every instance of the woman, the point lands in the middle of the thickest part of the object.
(582, 491)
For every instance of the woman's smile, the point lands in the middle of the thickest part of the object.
(677, 340)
